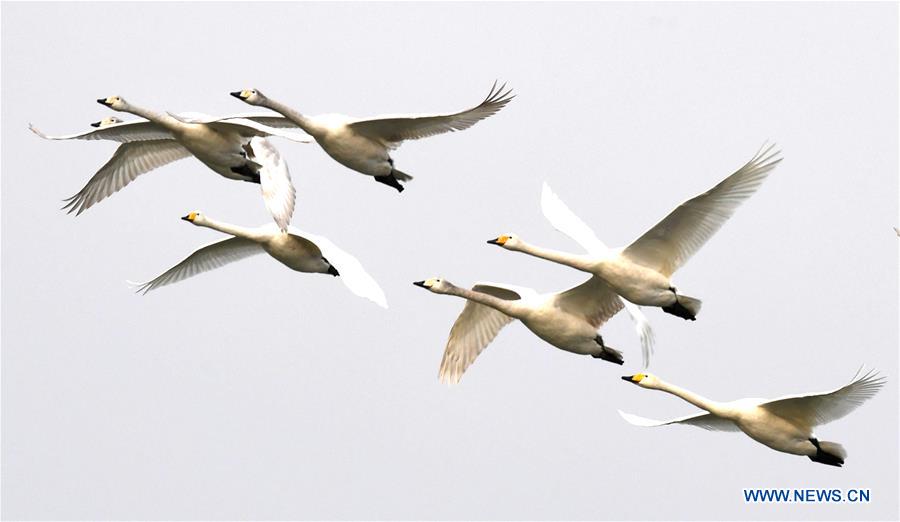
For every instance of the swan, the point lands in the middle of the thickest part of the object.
(364, 145)
(298, 250)
(567, 320)
(784, 424)
(642, 271)
(106, 122)
(226, 147)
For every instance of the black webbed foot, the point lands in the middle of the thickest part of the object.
(390, 181)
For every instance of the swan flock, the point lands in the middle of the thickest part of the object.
(241, 147)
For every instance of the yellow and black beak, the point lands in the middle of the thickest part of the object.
(500, 241)
(102, 101)
(420, 283)
(634, 379)
(190, 217)
(237, 94)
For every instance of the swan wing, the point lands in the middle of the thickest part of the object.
(278, 191)
(243, 126)
(125, 132)
(351, 271)
(593, 299)
(707, 421)
(820, 408)
(394, 129)
(210, 257)
(669, 244)
(269, 120)
(128, 162)
(564, 220)
(475, 328)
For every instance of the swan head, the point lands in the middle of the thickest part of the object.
(644, 380)
(116, 103)
(106, 122)
(507, 241)
(435, 284)
(251, 96)
(195, 218)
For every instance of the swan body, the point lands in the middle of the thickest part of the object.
(297, 250)
(642, 271)
(364, 145)
(233, 149)
(784, 424)
(567, 320)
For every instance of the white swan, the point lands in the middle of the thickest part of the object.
(364, 145)
(226, 147)
(784, 424)
(298, 250)
(642, 271)
(567, 320)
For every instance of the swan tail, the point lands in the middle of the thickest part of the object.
(830, 453)
(401, 176)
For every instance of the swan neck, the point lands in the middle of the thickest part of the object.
(228, 228)
(578, 262)
(164, 120)
(304, 122)
(496, 303)
(691, 397)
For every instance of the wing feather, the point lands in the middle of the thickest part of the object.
(707, 421)
(278, 191)
(820, 408)
(474, 329)
(352, 273)
(125, 132)
(672, 241)
(393, 130)
(210, 257)
(128, 162)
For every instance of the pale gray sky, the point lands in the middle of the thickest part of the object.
(255, 392)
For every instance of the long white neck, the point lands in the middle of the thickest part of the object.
(304, 122)
(507, 307)
(161, 119)
(576, 261)
(234, 230)
(691, 397)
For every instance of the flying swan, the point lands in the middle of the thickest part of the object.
(234, 148)
(567, 320)
(298, 250)
(642, 271)
(364, 145)
(784, 424)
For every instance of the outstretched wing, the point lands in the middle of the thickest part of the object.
(210, 257)
(128, 162)
(125, 132)
(274, 181)
(593, 299)
(669, 244)
(820, 408)
(707, 421)
(392, 130)
(564, 220)
(351, 271)
(474, 329)
(247, 127)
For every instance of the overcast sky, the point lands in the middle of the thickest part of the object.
(255, 392)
